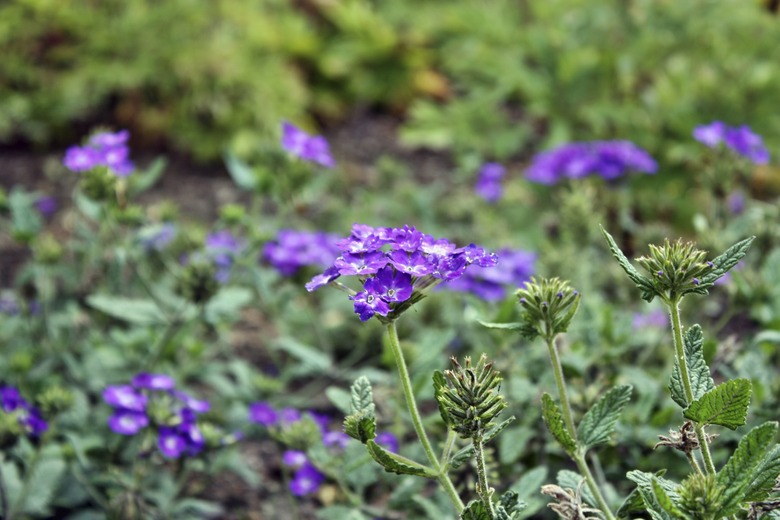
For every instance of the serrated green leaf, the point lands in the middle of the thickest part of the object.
(132, 310)
(475, 510)
(554, 420)
(362, 397)
(663, 499)
(698, 371)
(509, 506)
(739, 471)
(495, 430)
(42, 483)
(647, 485)
(599, 422)
(725, 405)
(724, 262)
(764, 477)
(394, 463)
(439, 384)
(634, 502)
(642, 283)
(461, 456)
(652, 505)
(360, 427)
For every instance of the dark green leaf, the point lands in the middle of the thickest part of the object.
(461, 456)
(495, 430)
(475, 510)
(440, 383)
(132, 310)
(509, 506)
(726, 261)
(698, 371)
(649, 487)
(764, 477)
(726, 405)
(634, 502)
(739, 471)
(554, 420)
(599, 422)
(394, 463)
(360, 427)
(643, 283)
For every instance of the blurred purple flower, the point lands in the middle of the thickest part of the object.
(46, 206)
(608, 159)
(492, 283)
(292, 250)
(153, 381)
(657, 318)
(128, 422)
(307, 480)
(336, 439)
(125, 396)
(158, 236)
(388, 441)
(263, 413)
(741, 140)
(307, 147)
(736, 202)
(294, 458)
(171, 443)
(103, 149)
(488, 184)
(289, 415)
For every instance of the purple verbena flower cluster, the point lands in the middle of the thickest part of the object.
(153, 400)
(29, 417)
(307, 479)
(488, 184)
(103, 149)
(740, 140)
(608, 159)
(312, 148)
(292, 250)
(393, 264)
(513, 268)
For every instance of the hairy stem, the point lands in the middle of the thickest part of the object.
(579, 458)
(674, 311)
(483, 488)
(411, 404)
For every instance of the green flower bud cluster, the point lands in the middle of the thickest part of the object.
(99, 183)
(197, 282)
(47, 249)
(701, 497)
(547, 306)
(470, 400)
(54, 400)
(675, 267)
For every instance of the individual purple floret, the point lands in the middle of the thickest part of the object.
(388, 441)
(294, 458)
(608, 159)
(488, 184)
(740, 140)
(28, 416)
(263, 413)
(307, 480)
(657, 318)
(126, 397)
(103, 149)
(292, 250)
(46, 206)
(128, 422)
(153, 381)
(514, 267)
(396, 266)
(307, 147)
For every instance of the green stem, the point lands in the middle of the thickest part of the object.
(448, 444)
(674, 311)
(411, 404)
(5, 507)
(483, 488)
(579, 457)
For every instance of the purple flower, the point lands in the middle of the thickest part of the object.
(657, 318)
(740, 140)
(294, 458)
(289, 415)
(191, 403)
(33, 422)
(488, 184)
(158, 236)
(11, 401)
(9, 306)
(307, 147)
(322, 420)
(171, 443)
(393, 263)
(336, 439)
(125, 397)
(736, 202)
(307, 480)
(46, 206)
(511, 269)
(153, 381)
(608, 159)
(103, 149)
(293, 250)
(128, 422)
(263, 413)
(388, 441)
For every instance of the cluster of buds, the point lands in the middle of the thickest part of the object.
(548, 306)
(675, 267)
(468, 397)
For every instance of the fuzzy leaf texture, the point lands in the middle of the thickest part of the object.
(642, 283)
(698, 371)
(394, 463)
(634, 502)
(475, 510)
(764, 477)
(510, 506)
(467, 452)
(740, 471)
(362, 397)
(439, 384)
(360, 427)
(554, 420)
(725, 405)
(648, 486)
(724, 262)
(599, 422)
